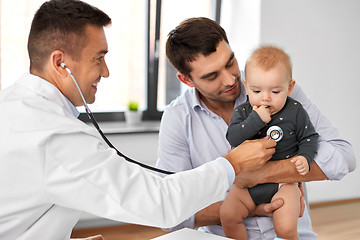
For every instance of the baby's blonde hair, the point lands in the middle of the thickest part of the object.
(267, 57)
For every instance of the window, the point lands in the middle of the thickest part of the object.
(172, 13)
(138, 66)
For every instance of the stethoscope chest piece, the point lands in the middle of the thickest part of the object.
(275, 133)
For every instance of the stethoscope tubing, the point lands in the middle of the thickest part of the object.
(96, 125)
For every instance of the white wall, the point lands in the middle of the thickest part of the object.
(139, 146)
(322, 37)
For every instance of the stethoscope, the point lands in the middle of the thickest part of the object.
(94, 122)
(275, 132)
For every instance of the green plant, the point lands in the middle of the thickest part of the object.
(133, 105)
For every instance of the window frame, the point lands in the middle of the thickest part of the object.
(152, 45)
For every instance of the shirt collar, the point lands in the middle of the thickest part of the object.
(73, 108)
(196, 102)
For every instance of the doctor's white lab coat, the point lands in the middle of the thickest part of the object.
(53, 167)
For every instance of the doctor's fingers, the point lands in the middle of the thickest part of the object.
(268, 142)
(252, 154)
(265, 147)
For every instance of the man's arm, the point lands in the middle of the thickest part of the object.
(208, 216)
(279, 172)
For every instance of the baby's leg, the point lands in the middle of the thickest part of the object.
(234, 209)
(286, 217)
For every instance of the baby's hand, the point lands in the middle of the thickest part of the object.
(301, 164)
(263, 112)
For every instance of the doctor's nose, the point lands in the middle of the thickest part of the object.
(104, 70)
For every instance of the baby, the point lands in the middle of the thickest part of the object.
(270, 111)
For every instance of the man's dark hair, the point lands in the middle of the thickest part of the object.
(60, 25)
(193, 36)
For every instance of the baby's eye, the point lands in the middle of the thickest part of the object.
(256, 91)
(276, 92)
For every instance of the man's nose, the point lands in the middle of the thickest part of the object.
(229, 79)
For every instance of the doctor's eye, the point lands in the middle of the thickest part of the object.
(100, 59)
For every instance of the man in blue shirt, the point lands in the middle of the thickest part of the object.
(194, 125)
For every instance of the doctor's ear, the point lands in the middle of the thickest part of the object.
(57, 62)
(185, 79)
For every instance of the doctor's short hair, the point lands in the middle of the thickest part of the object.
(192, 37)
(60, 25)
(267, 57)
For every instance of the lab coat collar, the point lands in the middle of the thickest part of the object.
(73, 108)
(48, 91)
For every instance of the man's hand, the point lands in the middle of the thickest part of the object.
(267, 209)
(251, 154)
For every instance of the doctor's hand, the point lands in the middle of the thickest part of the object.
(251, 154)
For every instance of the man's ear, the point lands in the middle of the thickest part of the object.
(185, 79)
(291, 87)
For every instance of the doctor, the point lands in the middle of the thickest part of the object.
(54, 167)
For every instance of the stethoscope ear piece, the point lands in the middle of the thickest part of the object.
(62, 65)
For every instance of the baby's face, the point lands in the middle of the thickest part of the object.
(268, 88)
